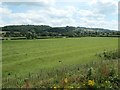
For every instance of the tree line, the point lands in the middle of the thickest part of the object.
(36, 31)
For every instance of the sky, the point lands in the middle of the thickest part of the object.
(82, 13)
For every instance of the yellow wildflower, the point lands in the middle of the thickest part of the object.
(71, 87)
(55, 87)
(91, 82)
(106, 81)
(66, 80)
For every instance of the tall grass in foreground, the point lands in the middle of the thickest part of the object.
(97, 74)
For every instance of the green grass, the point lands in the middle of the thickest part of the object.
(23, 56)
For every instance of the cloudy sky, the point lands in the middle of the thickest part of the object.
(83, 13)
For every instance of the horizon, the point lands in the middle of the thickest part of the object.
(85, 13)
(60, 26)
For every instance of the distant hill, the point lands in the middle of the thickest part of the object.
(45, 30)
(46, 27)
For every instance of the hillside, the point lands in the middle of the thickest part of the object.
(35, 31)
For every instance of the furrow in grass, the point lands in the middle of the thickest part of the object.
(53, 53)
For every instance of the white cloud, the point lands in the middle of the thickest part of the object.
(100, 23)
(4, 11)
(40, 3)
(63, 16)
(105, 6)
(90, 14)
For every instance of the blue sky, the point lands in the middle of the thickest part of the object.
(83, 13)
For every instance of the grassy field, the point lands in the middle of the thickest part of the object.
(21, 57)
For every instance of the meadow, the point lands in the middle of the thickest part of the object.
(48, 58)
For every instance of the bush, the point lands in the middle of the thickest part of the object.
(114, 54)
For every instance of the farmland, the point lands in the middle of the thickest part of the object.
(24, 57)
